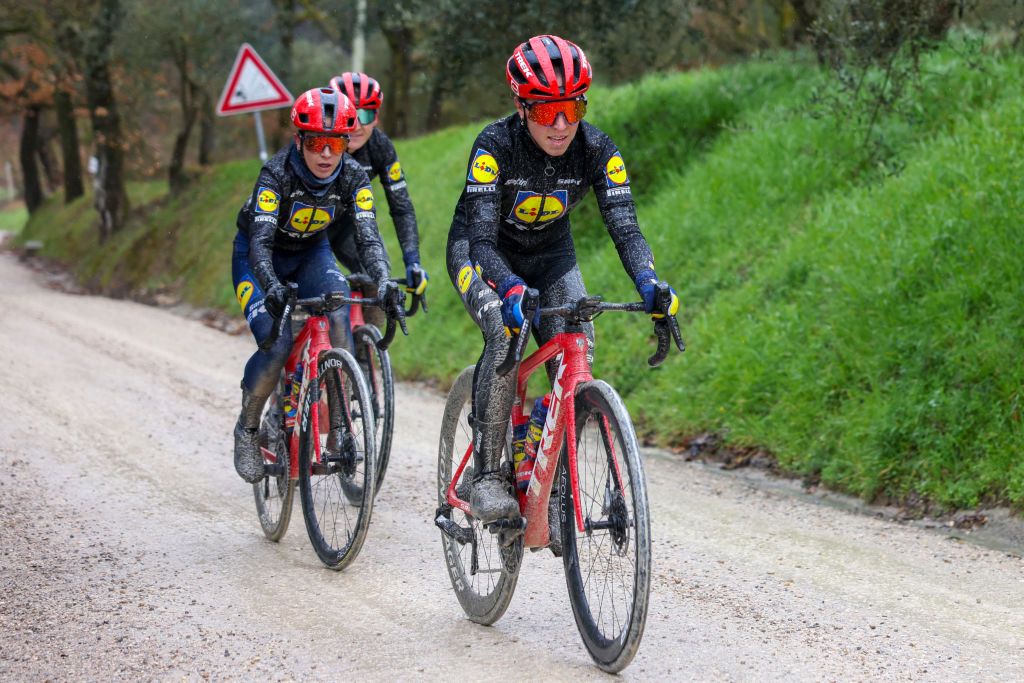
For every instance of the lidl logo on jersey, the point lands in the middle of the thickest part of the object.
(484, 168)
(615, 169)
(244, 293)
(267, 201)
(395, 172)
(363, 198)
(309, 220)
(465, 278)
(531, 207)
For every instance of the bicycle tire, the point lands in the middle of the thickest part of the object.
(274, 494)
(339, 489)
(483, 597)
(376, 367)
(610, 620)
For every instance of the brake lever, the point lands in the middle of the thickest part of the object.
(518, 343)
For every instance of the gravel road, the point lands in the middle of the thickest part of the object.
(129, 549)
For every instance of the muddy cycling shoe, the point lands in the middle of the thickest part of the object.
(491, 498)
(248, 458)
(554, 524)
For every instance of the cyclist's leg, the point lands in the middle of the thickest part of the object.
(263, 368)
(343, 244)
(561, 283)
(492, 395)
(319, 274)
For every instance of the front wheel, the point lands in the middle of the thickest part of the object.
(608, 564)
(483, 574)
(337, 489)
(376, 367)
(275, 492)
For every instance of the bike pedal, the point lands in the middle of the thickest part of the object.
(459, 534)
(275, 469)
(518, 524)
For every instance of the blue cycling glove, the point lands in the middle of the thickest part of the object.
(647, 286)
(512, 304)
(416, 279)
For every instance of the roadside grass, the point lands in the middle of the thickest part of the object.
(863, 326)
(13, 218)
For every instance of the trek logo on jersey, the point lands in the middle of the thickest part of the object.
(244, 292)
(615, 170)
(395, 172)
(531, 207)
(484, 168)
(267, 201)
(309, 220)
(363, 197)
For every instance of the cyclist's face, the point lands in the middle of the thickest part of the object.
(361, 134)
(553, 140)
(322, 163)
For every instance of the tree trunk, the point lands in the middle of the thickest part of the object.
(396, 120)
(51, 170)
(73, 187)
(206, 130)
(111, 201)
(187, 99)
(286, 21)
(27, 154)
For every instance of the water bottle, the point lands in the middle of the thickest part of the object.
(291, 403)
(519, 441)
(535, 428)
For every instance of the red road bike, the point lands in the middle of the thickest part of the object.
(375, 363)
(330, 451)
(603, 521)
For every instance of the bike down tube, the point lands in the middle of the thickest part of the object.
(571, 371)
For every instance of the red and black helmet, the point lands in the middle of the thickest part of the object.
(361, 89)
(324, 110)
(548, 68)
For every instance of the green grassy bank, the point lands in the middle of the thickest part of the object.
(864, 327)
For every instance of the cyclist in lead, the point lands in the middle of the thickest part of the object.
(511, 231)
(376, 154)
(282, 235)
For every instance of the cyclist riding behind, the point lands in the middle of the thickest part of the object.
(376, 154)
(511, 232)
(282, 236)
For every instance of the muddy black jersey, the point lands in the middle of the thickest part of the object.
(517, 199)
(282, 213)
(379, 158)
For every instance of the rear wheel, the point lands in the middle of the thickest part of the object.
(376, 367)
(482, 573)
(337, 489)
(608, 564)
(275, 492)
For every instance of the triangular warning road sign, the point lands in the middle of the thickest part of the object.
(252, 86)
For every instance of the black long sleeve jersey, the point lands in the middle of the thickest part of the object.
(517, 199)
(379, 158)
(282, 213)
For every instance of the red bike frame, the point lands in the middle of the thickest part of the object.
(572, 371)
(312, 339)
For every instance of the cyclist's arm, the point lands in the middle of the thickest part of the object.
(403, 215)
(367, 236)
(482, 200)
(615, 199)
(263, 210)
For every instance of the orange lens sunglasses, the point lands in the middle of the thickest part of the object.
(316, 143)
(545, 113)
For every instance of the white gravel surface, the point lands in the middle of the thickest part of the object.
(129, 549)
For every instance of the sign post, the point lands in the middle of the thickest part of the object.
(252, 87)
